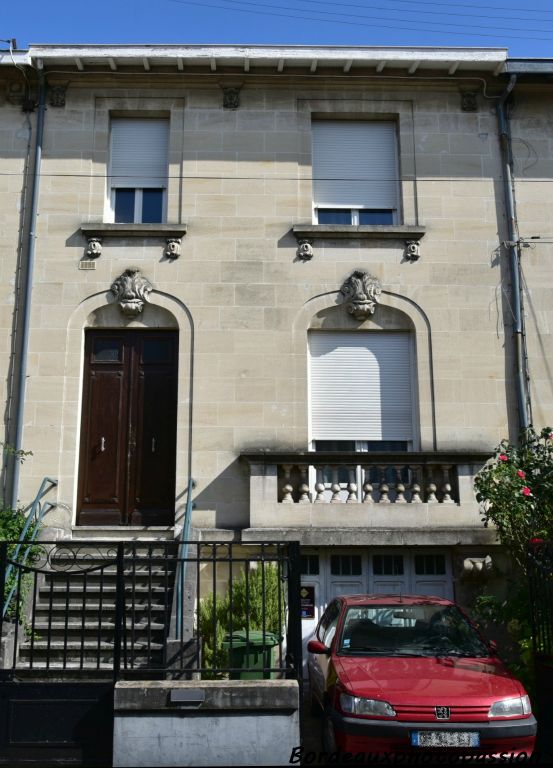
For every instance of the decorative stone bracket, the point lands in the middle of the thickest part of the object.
(361, 292)
(96, 233)
(131, 290)
(306, 234)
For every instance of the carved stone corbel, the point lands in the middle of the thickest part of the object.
(57, 95)
(94, 247)
(231, 96)
(173, 249)
(361, 292)
(305, 250)
(131, 290)
(412, 250)
(477, 566)
(469, 101)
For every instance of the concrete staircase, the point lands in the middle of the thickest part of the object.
(72, 621)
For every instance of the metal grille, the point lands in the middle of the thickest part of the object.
(101, 610)
(540, 577)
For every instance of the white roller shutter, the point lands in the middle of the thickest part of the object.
(360, 386)
(354, 164)
(139, 152)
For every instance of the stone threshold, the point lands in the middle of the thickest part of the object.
(123, 532)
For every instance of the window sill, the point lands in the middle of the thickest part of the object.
(100, 229)
(359, 232)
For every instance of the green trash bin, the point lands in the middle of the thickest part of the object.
(253, 649)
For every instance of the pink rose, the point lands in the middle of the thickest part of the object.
(502, 457)
(520, 473)
(526, 491)
(536, 541)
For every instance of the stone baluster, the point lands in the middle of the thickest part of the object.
(335, 487)
(383, 487)
(415, 486)
(320, 493)
(367, 493)
(287, 488)
(400, 487)
(431, 488)
(446, 487)
(319, 487)
(304, 486)
(352, 488)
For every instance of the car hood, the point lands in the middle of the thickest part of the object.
(402, 680)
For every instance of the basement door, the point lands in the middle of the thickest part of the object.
(128, 428)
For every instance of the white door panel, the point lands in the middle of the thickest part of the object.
(354, 587)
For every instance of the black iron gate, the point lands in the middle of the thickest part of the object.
(78, 616)
(540, 577)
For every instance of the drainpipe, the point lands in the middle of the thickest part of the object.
(28, 285)
(513, 245)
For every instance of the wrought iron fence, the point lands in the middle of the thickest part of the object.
(152, 609)
(540, 577)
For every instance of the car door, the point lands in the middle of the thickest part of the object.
(320, 662)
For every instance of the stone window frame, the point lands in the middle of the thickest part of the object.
(139, 103)
(401, 111)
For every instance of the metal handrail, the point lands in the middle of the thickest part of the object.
(180, 574)
(32, 524)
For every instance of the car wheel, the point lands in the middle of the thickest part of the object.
(328, 737)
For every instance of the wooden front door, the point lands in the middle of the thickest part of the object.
(128, 428)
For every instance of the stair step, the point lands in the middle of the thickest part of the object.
(77, 626)
(105, 589)
(92, 664)
(87, 645)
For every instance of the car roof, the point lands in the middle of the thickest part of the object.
(395, 599)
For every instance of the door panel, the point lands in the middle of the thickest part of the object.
(154, 497)
(128, 432)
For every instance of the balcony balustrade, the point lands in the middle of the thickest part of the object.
(326, 489)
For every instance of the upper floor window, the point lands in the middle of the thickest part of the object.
(137, 187)
(355, 172)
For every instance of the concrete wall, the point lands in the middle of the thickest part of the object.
(175, 723)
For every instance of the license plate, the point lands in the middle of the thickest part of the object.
(445, 739)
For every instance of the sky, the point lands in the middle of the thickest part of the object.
(526, 29)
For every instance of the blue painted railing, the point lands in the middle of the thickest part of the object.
(181, 562)
(35, 512)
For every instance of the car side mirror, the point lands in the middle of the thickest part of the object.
(493, 648)
(315, 646)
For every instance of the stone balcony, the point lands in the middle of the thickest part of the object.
(377, 497)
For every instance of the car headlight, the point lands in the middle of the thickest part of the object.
(516, 707)
(353, 705)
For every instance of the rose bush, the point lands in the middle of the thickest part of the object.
(515, 490)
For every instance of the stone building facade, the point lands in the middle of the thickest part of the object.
(319, 269)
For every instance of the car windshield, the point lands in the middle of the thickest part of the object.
(409, 630)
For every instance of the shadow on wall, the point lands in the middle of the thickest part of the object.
(228, 494)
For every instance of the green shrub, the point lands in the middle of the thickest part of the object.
(247, 612)
(11, 527)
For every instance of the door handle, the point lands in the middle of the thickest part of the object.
(153, 445)
(102, 444)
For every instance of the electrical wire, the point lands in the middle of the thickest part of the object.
(418, 3)
(352, 23)
(202, 177)
(386, 18)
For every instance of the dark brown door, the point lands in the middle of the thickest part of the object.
(128, 428)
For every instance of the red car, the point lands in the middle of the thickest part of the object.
(408, 673)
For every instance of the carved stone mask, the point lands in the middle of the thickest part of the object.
(361, 292)
(131, 291)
